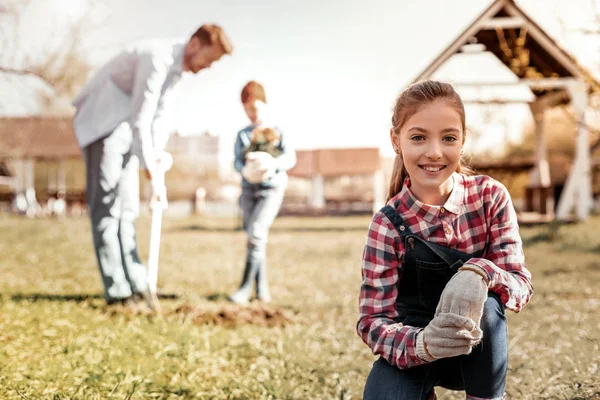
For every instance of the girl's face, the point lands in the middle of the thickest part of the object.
(430, 142)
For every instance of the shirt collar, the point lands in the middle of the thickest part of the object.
(178, 51)
(456, 200)
(426, 211)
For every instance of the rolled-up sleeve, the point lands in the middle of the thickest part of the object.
(163, 124)
(151, 73)
(238, 149)
(377, 324)
(504, 262)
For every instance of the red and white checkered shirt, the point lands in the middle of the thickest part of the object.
(479, 212)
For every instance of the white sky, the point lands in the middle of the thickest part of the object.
(331, 68)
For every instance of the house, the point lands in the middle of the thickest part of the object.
(30, 140)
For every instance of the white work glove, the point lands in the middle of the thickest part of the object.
(159, 196)
(465, 294)
(259, 167)
(447, 335)
(255, 174)
(263, 159)
(164, 162)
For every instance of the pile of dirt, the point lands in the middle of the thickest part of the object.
(232, 315)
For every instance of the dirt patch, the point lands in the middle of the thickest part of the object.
(232, 315)
(128, 310)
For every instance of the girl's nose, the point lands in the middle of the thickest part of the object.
(434, 151)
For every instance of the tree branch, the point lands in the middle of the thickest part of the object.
(23, 72)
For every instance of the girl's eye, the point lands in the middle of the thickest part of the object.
(417, 138)
(450, 139)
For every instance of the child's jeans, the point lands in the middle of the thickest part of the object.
(259, 206)
(482, 374)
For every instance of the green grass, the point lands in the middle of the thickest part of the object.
(59, 341)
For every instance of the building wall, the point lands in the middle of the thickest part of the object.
(196, 153)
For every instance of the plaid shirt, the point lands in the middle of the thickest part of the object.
(479, 212)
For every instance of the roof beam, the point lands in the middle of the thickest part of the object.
(547, 43)
(503, 23)
(545, 83)
(552, 99)
(7, 181)
(461, 40)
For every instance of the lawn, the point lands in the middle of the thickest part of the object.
(59, 341)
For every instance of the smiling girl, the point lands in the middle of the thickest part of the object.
(442, 262)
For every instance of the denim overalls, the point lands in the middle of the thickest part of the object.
(426, 269)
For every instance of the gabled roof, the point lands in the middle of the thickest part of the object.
(38, 137)
(505, 29)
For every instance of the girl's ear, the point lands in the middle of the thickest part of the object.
(395, 139)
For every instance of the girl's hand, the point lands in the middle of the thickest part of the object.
(465, 294)
(447, 335)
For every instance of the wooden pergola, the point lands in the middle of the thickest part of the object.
(554, 77)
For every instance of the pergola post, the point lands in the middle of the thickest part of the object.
(539, 177)
(578, 188)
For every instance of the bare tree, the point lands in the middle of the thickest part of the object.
(57, 57)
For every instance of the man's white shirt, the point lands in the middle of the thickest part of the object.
(135, 88)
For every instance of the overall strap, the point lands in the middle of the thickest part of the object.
(452, 257)
(396, 220)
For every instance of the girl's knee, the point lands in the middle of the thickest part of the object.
(388, 382)
(494, 316)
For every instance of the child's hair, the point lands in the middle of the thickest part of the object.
(410, 101)
(253, 91)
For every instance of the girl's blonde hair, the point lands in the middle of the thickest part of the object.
(410, 101)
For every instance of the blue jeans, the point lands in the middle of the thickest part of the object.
(112, 192)
(259, 206)
(481, 374)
